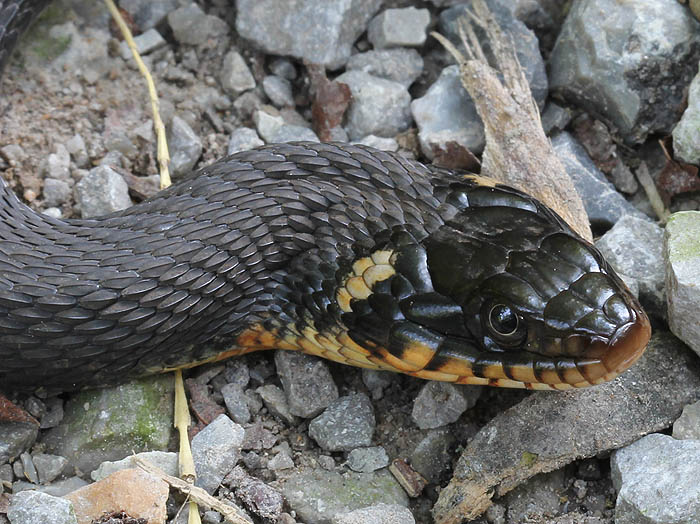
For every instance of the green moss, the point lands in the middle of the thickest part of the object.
(38, 41)
(683, 236)
(528, 459)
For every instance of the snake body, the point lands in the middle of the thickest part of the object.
(353, 254)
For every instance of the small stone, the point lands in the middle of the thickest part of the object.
(686, 134)
(15, 437)
(326, 462)
(655, 478)
(148, 14)
(377, 381)
(276, 402)
(399, 65)
(237, 372)
(383, 144)
(236, 403)
(58, 164)
(54, 413)
(212, 517)
(314, 495)
(281, 461)
(555, 118)
(56, 192)
(247, 104)
(682, 257)
(216, 449)
(431, 457)
(32, 507)
(284, 68)
(376, 514)
(366, 460)
(185, 147)
(145, 43)
(137, 493)
(164, 460)
(446, 114)
(259, 498)
(53, 212)
(278, 90)
(273, 129)
(116, 139)
(399, 27)
(318, 31)
(101, 191)
(603, 204)
(346, 424)
(307, 383)
(539, 495)
(378, 107)
(687, 426)
(235, 75)
(78, 151)
(58, 488)
(441, 403)
(28, 470)
(192, 26)
(634, 247)
(13, 153)
(243, 139)
(623, 179)
(48, 467)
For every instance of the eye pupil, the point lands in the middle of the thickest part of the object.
(503, 319)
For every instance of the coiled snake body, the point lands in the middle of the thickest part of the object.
(346, 252)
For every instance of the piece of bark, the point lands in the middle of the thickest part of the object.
(549, 430)
(517, 152)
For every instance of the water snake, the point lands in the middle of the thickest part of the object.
(343, 251)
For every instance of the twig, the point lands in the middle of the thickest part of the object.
(197, 495)
(517, 153)
(649, 187)
(162, 151)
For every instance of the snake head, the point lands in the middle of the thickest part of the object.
(504, 293)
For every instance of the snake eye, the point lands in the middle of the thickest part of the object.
(503, 324)
(503, 320)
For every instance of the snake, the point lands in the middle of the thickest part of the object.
(360, 256)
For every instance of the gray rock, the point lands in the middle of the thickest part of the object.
(627, 64)
(346, 424)
(57, 488)
(603, 204)
(399, 27)
(33, 507)
(686, 134)
(193, 26)
(101, 191)
(185, 147)
(278, 90)
(541, 495)
(237, 372)
(307, 383)
(56, 192)
(441, 403)
(117, 139)
(145, 43)
(147, 14)
(398, 65)
(235, 75)
(688, 424)
(15, 437)
(379, 107)
(54, 413)
(431, 457)
(48, 467)
(634, 247)
(27, 469)
(13, 153)
(555, 118)
(78, 151)
(273, 129)
(376, 514)
(446, 113)
(236, 403)
(215, 450)
(247, 104)
(6, 474)
(112, 423)
(318, 496)
(315, 30)
(276, 403)
(526, 45)
(377, 381)
(284, 68)
(655, 478)
(682, 257)
(366, 460)
(280, 461)
(165, 460)
(58, 164)
(53, 212)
